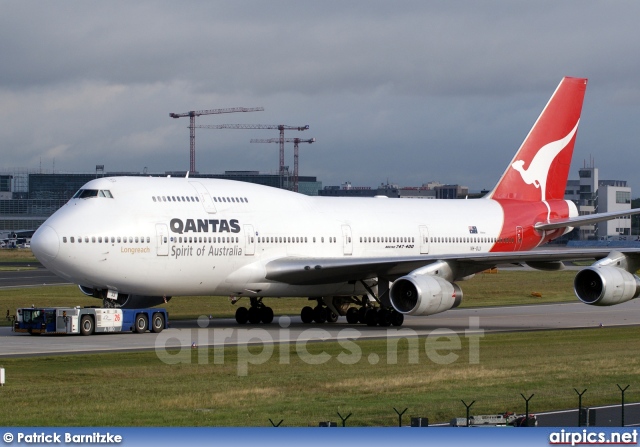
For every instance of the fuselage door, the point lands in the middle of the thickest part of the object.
(347, 241)
(249, 241)
(424, 240)
(519, 236)
(205, 197)
(162, 240)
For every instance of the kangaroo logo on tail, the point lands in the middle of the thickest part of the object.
(538, 170)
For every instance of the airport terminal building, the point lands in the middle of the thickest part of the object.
(592, 195)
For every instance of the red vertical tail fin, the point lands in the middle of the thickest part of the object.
(540, 168)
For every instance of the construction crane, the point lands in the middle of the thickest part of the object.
(295, 142)
(192, 126)
(280, 127)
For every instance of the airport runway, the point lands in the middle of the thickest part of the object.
(225, 332)
(37, 277)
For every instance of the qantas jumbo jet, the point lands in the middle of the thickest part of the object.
(137, 241)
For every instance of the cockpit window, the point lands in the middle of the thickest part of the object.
(88, 193)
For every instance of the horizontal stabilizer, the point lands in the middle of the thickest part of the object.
(589, 219)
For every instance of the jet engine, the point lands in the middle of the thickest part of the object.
(124, 300)
(605, 285)
(424, 295)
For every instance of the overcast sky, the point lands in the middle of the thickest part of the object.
(400, 91)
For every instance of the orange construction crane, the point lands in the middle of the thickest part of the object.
(280, 127)
(192, 126)
(295, 142)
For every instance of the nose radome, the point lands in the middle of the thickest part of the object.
(45, 244)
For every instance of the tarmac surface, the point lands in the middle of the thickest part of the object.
(33, 276)
(226, 332)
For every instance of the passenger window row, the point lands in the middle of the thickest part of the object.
(107, 239)
(386, 239)
(175, 199)
(282, 240)
(205, 239)
(469, 240)
(197, 199)
(291, 240)
(231, 199)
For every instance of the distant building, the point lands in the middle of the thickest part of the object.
(5, 187)
(614, 198)
(451, 192)
(417, 193)
(347, 190)
(592, 195)
(432, 190)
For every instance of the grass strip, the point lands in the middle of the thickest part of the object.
(138, 389)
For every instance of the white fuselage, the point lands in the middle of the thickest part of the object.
(177, 236)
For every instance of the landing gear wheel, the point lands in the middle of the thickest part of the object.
(352, 315)
(384, 317)
(86, 325)
(242, 315)
(362, 314)
(266, 315)
(320, 314)
(254, 315)
(371, 317)
(157, 323)
(331, 317)
(397, 318)
(142, 324)
(306, 314)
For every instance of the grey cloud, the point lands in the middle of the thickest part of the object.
(390, 89)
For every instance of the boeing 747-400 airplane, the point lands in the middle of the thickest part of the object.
(137, 241)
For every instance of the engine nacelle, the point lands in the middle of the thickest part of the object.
(124, 300)
(94, 293)
(605, 285)
(424, 295)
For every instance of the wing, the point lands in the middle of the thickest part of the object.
(309, 271)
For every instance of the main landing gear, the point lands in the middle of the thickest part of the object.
(256, 314)
(327, 311)
(320, 314)
(374, 316)
(364, 313)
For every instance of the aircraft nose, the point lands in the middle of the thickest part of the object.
(45, 244)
